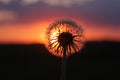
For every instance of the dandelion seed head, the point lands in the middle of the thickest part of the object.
(64, 33)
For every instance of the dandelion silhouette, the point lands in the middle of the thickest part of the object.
(65, 37)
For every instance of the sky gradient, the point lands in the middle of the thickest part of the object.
(26, 21)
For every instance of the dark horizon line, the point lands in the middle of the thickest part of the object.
(104, 41)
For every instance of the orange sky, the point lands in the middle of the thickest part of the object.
(33, 33)
(36, 33)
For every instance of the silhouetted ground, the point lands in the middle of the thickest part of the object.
(97, 61)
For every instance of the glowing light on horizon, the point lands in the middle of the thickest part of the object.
(27, 34)
(35, 33)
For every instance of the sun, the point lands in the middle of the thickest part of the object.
(65, 34)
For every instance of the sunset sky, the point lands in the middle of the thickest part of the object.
(26, 21)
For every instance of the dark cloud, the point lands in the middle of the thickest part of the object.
(99, 12)
(103, 12)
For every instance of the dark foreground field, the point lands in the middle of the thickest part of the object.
(97, 61)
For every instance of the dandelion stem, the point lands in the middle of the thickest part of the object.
(63, 66)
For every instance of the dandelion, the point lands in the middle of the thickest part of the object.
(65, 37)
(65, 34)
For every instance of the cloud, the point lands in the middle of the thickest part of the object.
(28, 2)
(6, 16)
(65, 3)
(5, 1)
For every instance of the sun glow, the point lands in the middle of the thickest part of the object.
(24, 33)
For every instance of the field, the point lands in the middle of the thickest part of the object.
(97, 61)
